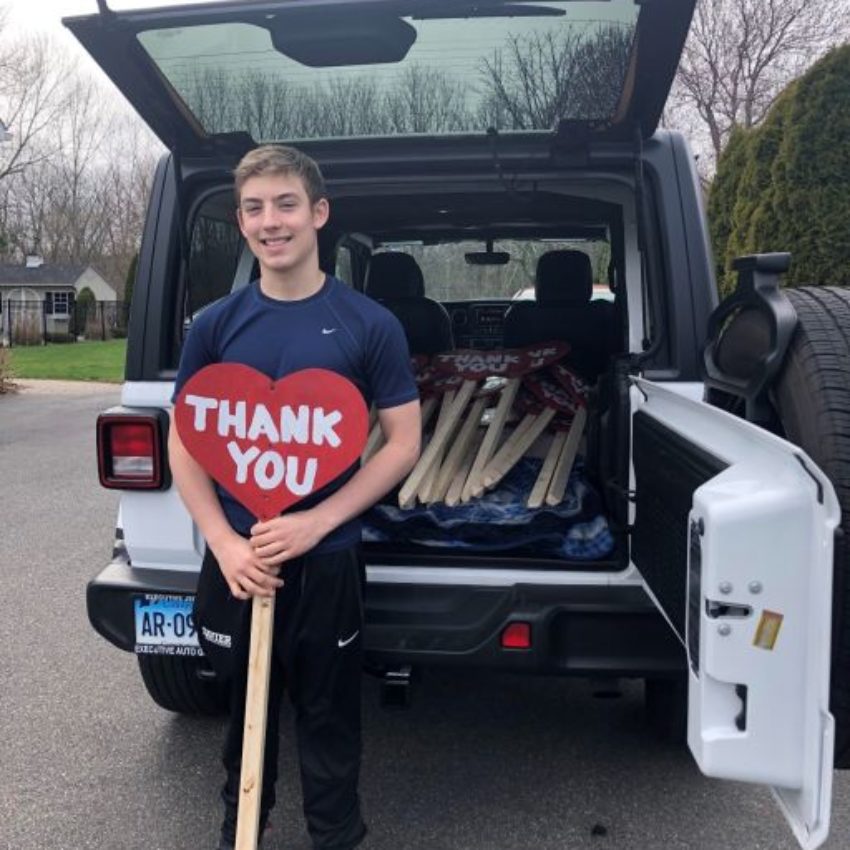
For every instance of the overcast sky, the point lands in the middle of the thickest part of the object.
(25, 16)
(46, 14)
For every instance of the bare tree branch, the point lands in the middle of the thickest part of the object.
(540, 78)
(741, 53)
(32, 74)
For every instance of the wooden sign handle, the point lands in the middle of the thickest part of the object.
(453, 495)
(541, 485)
(431, 475)
(527, 421)
(561, 475)
(434, 449)
(514, 448)
(424, 491)
(491, 439)
(447, 470)
(254, 732)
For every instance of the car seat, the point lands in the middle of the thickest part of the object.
(395, 280)
(563, 310)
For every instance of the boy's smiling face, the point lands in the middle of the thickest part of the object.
(280, 224)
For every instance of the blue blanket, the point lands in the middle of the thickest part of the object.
(576, 529)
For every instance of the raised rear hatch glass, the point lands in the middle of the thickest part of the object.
(299, 74)
(231, 74)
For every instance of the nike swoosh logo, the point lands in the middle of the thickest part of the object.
(341, 643)
(328, 330)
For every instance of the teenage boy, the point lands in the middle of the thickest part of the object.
(296, 317)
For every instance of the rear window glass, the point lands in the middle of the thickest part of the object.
(214, 253)
(452, 275)
(340, 71)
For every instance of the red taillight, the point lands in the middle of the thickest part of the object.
(517, 636)
(129, 451)
(132, 450)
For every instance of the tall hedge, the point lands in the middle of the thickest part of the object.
(785, 185)
(724, 193)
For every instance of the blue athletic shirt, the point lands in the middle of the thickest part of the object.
(337, 328)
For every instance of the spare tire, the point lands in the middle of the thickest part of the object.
(812, 401)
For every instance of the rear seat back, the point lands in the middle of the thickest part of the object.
(395, 280)
(563, 310)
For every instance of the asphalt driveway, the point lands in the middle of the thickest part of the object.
(478, 763)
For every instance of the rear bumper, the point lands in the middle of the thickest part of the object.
(110, 595)
(576, 630)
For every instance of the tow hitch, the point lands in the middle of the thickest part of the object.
(395, 687)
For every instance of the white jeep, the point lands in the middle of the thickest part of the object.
(696, 546)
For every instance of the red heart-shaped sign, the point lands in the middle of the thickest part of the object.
(271, 443)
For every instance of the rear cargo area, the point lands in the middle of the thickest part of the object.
(537, 499)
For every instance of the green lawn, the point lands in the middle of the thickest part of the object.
(74, 361)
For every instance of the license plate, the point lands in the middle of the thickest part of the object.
(165, 626)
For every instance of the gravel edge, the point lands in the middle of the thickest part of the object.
(46, 387)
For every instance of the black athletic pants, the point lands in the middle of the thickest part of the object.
(317, 658)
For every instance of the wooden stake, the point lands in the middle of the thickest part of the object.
(447, 470)
(430, 476)
(254, 732)
(561, 475)
(453, 494)
(527, 421)
(442, 434)
(423, 494)
(514, 448)
(541, 485)
(491, 440)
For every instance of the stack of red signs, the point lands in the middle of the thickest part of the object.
(479, 394)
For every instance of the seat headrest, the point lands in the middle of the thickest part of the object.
(563, 277)
(394, 275)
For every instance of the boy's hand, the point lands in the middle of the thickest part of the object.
(245, 574)
(286, 537)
